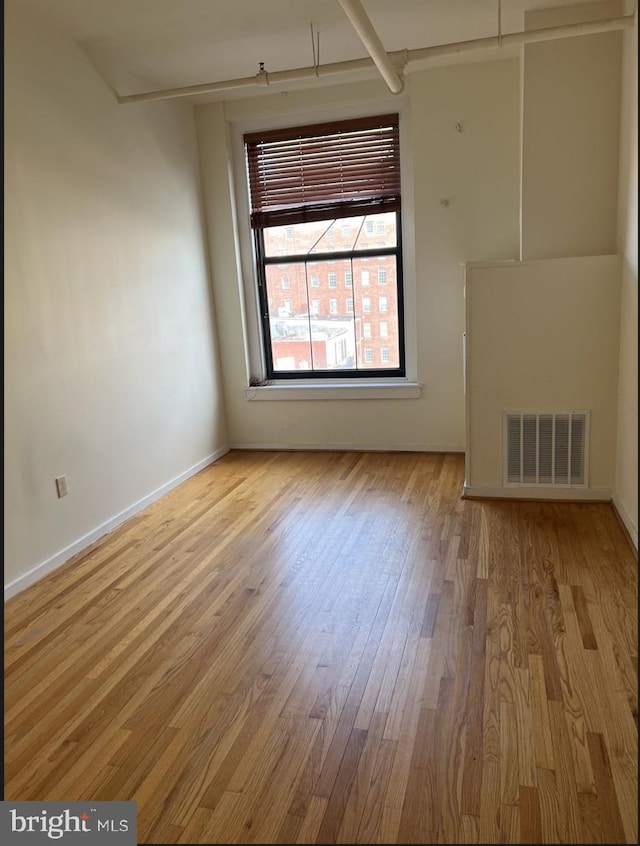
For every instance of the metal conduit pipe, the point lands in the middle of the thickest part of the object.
(354, 11)
(294, 75)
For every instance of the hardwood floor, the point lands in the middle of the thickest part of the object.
(335, 647)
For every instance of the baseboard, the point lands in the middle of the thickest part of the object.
(627, 522)
(41, 570)
(536, 493)
(359, 447)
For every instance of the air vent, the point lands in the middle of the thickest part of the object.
(546, 448)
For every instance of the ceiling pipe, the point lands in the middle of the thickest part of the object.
(354, 10)
(263, 78)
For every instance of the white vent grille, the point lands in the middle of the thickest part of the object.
(546, 448)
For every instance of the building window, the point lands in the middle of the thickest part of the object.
(385, 354)
(285, 282)
(366, 330)
(383, 303)
(384, 329)
(382, 276)
(298, 197)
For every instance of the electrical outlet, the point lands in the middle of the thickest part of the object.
(61, 485)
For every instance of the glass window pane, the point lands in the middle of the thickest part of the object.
(295, 240)
(288, 318)
(349, 233)
(379, 325)
(379, 230)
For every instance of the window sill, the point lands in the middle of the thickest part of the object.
(335, 391)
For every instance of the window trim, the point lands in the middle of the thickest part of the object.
(241, 120)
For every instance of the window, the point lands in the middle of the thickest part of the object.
(285, 282)
(305, 183)
(384, 329)
(385, 354)
(383, 302)
(382, 276)
(366, 330)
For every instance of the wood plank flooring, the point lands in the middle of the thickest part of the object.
(336, 648)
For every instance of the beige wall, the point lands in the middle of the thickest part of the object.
(542, 336)
(626, 488)
(110, 358)
(477, 171)
(571, 119)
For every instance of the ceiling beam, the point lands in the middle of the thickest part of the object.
(354, 10)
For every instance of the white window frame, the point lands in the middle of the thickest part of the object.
(303, 389)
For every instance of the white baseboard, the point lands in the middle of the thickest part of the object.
(537, 493)
(358, 447)
(629, 525)
(40, 570)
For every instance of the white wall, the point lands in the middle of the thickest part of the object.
(571, 121)
(111, 372)
(542, 336)
(476, 170)
(626, 486)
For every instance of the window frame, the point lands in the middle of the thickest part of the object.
(243, 119)
(301, 258)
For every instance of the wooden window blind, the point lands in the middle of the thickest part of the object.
(337, 169)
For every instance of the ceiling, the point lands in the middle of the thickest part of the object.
(141, 45)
